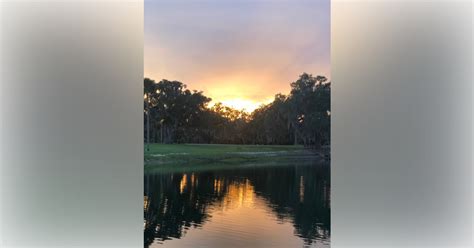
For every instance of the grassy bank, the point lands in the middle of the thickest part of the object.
(186, 156)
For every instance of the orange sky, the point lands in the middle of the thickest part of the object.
(238, 52)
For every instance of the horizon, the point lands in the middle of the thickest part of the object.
(240, 104)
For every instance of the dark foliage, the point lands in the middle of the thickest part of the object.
(174, 114)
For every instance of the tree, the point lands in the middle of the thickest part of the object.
(309, 109)
(179, 115)
(149, 91)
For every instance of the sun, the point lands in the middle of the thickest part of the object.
(242, 104)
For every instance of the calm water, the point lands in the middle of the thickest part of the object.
(252, 206)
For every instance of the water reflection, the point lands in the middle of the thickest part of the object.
(298, 196)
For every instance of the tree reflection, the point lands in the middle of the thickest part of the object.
(175, 202)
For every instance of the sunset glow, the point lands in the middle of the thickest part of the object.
(238, 53)
(242, 104)
(237, 123)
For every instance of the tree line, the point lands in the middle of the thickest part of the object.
(175, 114)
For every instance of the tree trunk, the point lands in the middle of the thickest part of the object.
(296, 137)
(148, 129)
(161, 131)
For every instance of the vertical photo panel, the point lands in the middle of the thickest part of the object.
(237, 123)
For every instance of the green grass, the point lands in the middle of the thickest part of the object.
(185, 156)
(214, 149)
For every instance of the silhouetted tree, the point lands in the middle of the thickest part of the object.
(175, 114)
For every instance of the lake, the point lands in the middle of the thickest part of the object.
(239, 206)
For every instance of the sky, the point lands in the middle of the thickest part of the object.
(238, 52)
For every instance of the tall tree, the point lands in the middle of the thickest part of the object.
(179, 115)
(149, 91)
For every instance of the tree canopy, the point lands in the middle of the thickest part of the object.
(175, 114)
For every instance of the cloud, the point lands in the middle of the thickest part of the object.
(236, 49)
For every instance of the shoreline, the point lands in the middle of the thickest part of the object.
(216, 156)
